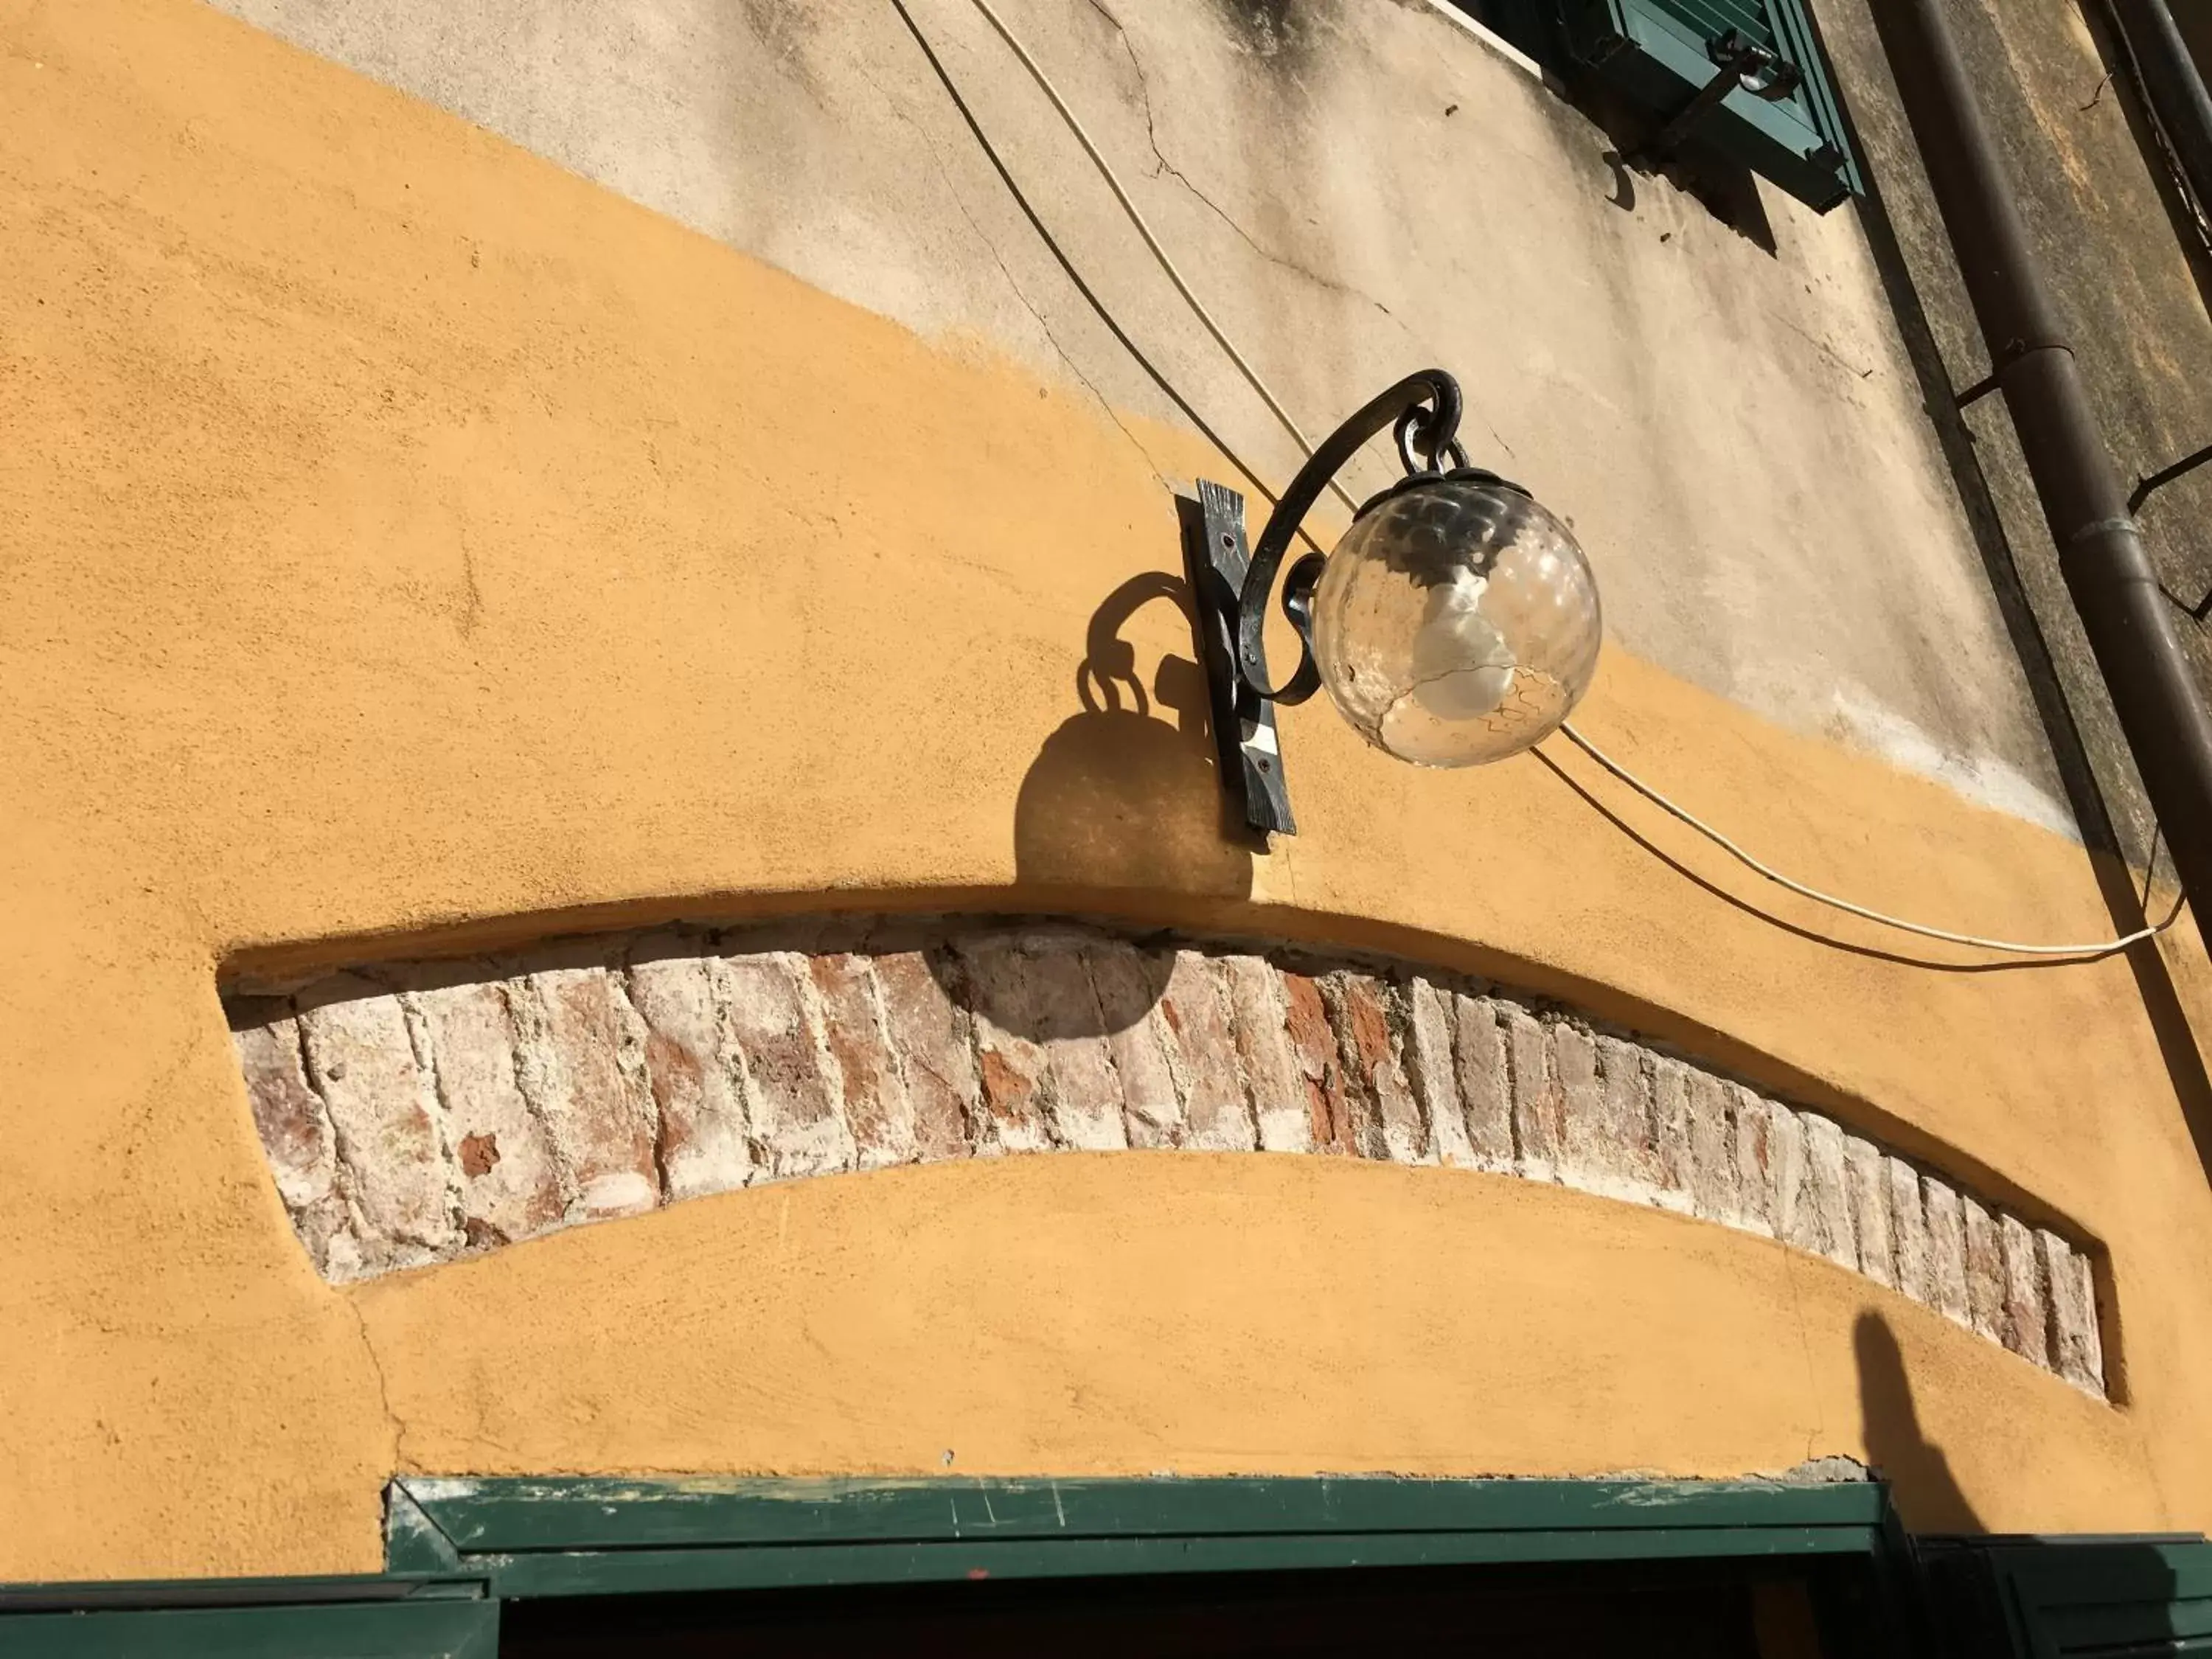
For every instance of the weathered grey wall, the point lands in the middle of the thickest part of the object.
(1360, 187)
(2124, 286)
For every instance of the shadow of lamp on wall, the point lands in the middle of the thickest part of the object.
(1119, 796)
(1456, 623)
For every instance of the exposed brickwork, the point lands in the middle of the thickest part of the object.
(386, 1124)
(1329, 1114)
(510, 1186)
(1538, 1100)
(2078, 1351)
(2026, 1318)
(1823, 1209)
(579, 1057)
(877, 1110)
(1946, 1250)
(1486, 1080)
(1682, 1133)
(1430, 1068)
(692, 1068)
(1985, 1277)
(1259, 1014)
(295, 1132)
(1866, 1173)
(1194, 1002)
(1140, 1038)
(930, 1034)
(1756, 1191)
(1908, 1231)
(416, 1114)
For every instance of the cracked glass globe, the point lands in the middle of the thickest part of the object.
(1456, 623)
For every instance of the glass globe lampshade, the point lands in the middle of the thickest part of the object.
(1456, 623)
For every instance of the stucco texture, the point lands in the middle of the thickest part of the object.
(1358, 188)
(402, 541)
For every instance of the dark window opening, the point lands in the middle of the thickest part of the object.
(1700, 1610)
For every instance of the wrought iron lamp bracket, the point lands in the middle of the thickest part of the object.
(1230, 590)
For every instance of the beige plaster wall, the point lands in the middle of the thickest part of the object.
(402, 539)
(1358, 188)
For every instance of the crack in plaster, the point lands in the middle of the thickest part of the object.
(1165, 166)
(395, 1425)
(990, 247)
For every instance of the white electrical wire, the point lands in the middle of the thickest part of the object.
(1145, 229)
(2104, 948)
(2100, 948)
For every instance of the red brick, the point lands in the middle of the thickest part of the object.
(1710, 1131)
(1432, 1067)
(877, 1111)
(510, 1188)
(1538, 1104)
(580, 1050)
(1331, 1111)
(1128, 982)
(398, 1173)
(1866, 1177)
(1012, 1019)
(1485, 1081)
(1085, 1099)
(1195, 1005)
(295, 1134)
(1946, 1250)
(791, 1089)
(1273, 1081)
(1609, 1144)
(1985, 1286)
(1908, 1232)
(2077, 1350)
(2025, 1323)
(1823, 1220)
(1362, 1024)
(1671, 1127)
(929, 1033)
(1796, 1219)
(1758, 1198)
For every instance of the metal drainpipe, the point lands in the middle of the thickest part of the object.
(2128, 619)
(2174, 87)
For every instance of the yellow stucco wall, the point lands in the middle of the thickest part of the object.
(399, 536)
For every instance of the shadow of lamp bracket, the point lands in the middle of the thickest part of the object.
(1416, 624)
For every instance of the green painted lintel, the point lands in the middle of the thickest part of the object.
(787, 1567)
(547, 1537)
(385, 1630)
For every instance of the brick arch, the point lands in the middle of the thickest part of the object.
(415, 1113)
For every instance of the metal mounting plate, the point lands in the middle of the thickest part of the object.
(1214, 558)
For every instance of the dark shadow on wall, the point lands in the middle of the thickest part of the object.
(2005, 1597)
(1123, 797)
(1862, 61)
(1717, 181)
(1928, 1495)
(2123, 82)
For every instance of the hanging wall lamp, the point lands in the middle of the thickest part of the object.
(1456, 623)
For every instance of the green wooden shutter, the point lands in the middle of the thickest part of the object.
(1663, 52)
(391, 1630)
(2119, 1598)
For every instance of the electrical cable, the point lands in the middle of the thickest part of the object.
(2100, 948)
(1145, 229)
(2103, 948)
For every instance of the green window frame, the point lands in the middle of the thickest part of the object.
(2071, 1598)
(457, 1548)
(1661, 53)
